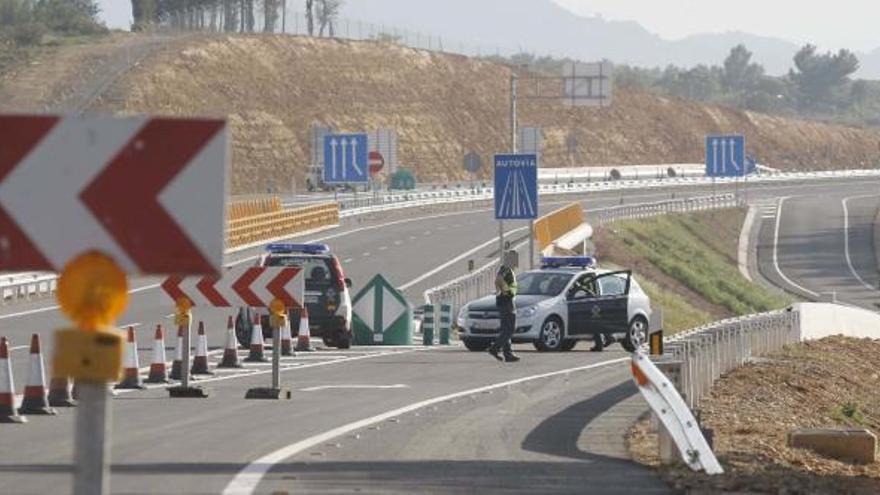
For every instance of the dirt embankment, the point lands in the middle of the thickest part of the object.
(827, 383)
(274, 88)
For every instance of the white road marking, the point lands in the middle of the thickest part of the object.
(132, 325)
(353, 387)
(248, 479)
(776, 250)
(383, 248)
(365, 254)
(743, 247)
(19, 347)
(347, 260)
(456, 260)
(849, 262)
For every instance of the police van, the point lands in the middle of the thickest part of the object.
(327, 295)
(568, 299)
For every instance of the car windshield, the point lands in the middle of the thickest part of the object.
(318, 271)
(542, 283)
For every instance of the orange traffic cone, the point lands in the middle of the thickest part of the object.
(131, 378)
(304, 335)
(8, 414)
(200, 361)
(36, 396)
(158, 370)
(257, 344)
(177, 364)
(59, 392)
(230, 351)
(286, 340)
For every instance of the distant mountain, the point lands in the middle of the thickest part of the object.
(545, 28)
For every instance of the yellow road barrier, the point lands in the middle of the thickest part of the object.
(284, 222)
(554, 225)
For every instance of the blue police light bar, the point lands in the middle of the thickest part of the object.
(562, 261)
(298, 248)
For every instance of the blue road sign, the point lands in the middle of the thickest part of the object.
(725, 156)
(516, 187)
(345, 158)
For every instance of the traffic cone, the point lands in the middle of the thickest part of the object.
(60, 394)
(257, 344)
(158, 370)
(304, 335)
(230, 352)
(286, 340)
(8, 414)
(131, 378)
(36, 396)
(200, 361)
(178, 355)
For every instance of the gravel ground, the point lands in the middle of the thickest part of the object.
(828, 383)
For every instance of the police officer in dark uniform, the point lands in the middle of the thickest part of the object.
(505, 294)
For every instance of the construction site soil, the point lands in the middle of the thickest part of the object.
(827, 383)
(274, 88)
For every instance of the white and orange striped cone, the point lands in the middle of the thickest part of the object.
(230, 351)
(60, 394)
(256, 354)
(131, 376)
(200, 361)
(177, 364)
(304, 335)
(286, 339)
(158, 369)
(36, 395)
(8, 414)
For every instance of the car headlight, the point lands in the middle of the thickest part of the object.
(462, 316)
(526, 312)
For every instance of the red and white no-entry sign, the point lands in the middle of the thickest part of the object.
(254, 287)
(148, 192)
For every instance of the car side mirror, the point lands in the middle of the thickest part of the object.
(348, 283)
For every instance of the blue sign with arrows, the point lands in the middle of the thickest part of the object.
(516, 187)
(346, 159)
(725, 156)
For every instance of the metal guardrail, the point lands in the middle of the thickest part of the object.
(481, 281)
(700, 356)
(26, 286)
(390, 201)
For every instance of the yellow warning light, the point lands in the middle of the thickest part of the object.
(277, 307)
(92, 290)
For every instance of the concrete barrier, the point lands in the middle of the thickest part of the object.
(820, 320)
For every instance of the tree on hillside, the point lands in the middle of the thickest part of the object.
(818, 76)
(270, 15)
(14, 12)
(328, 12)
(740, 74)
(69, 16)
(310, 16)
(143, 12)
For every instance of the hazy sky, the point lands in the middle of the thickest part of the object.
(832, 25)
(849, 24)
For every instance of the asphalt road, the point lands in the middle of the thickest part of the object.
(821, 248)
(533, 436)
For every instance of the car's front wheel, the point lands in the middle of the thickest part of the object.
(550, 337)
(636, 335)
(477, 345)
(243, 329)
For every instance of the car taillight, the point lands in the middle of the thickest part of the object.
(340, 278)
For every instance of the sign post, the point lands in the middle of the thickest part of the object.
(278, 288)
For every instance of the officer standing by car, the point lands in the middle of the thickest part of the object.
(589, 288)
(505, 295)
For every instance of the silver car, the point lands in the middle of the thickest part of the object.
(559, 305)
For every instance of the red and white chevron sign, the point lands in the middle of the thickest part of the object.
(149, 192)
(255, 287)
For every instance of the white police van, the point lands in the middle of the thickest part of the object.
(327, 294)
(568, 299)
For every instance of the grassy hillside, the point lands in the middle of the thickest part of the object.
(688, 265)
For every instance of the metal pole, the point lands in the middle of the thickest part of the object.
(184, 365)
(91, 450)
(276, 354)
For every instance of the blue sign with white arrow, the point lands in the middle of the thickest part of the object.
(725, 156)
(516, 187)
(346, 158)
